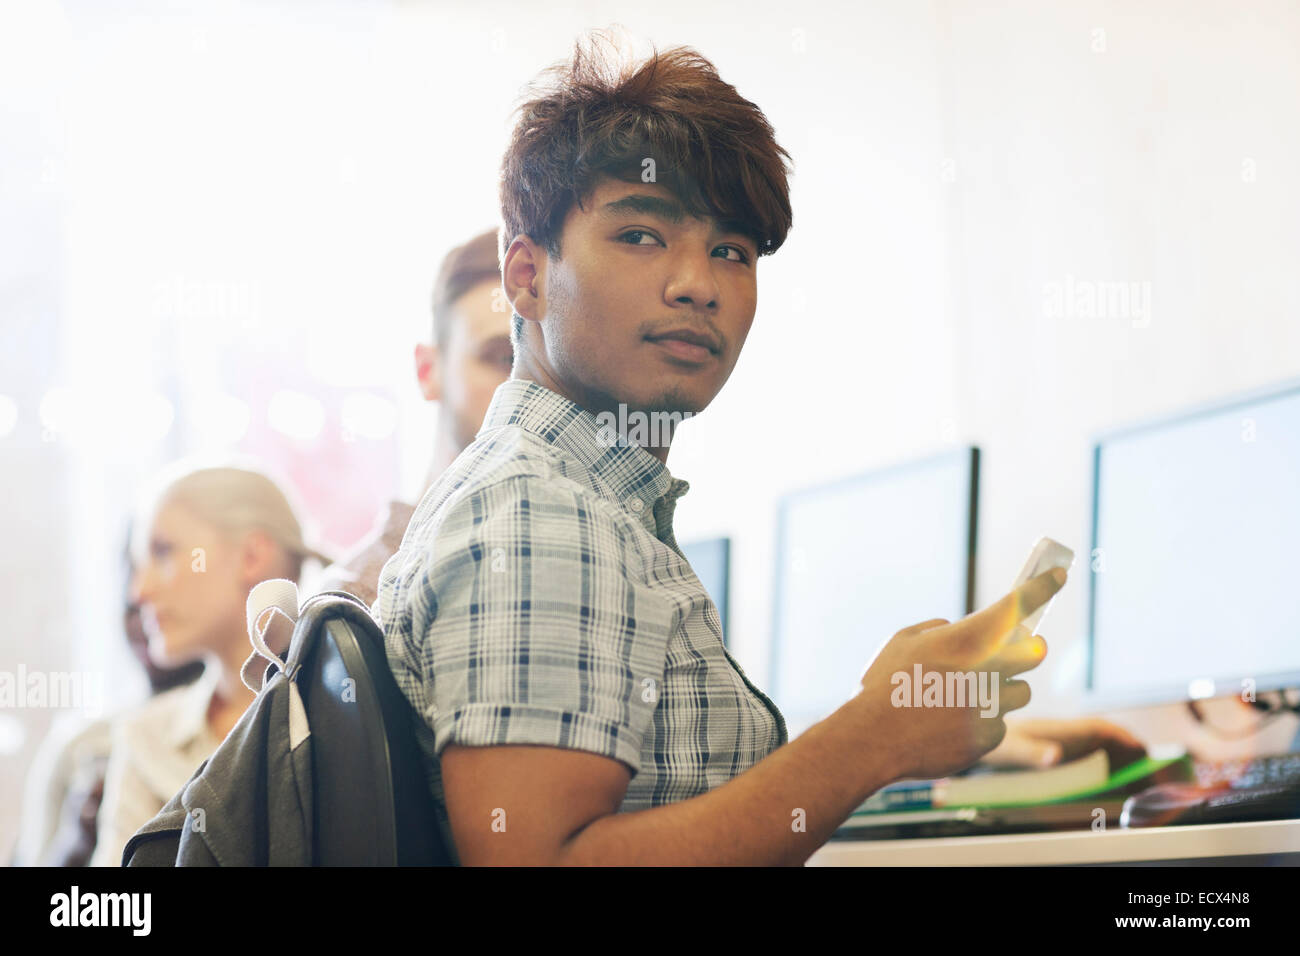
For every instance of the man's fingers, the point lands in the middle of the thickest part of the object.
(1085, 731)
(983, 634)
(1012, 696)
(1081, 736)
(1024, 651)
(1020, 750)
(924, 626)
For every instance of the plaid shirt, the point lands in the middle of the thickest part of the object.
(539, 597)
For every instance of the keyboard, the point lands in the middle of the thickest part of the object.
(1247, 773)
(1229, 791)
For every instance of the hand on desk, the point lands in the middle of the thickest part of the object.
(1045, 743)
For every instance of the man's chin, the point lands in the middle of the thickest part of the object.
(647, 398)
(680, 401)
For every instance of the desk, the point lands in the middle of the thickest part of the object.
(1221, 841)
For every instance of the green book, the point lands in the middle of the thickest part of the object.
(1077, 780)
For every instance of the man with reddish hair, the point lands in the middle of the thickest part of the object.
(579, 704)
(470, 355)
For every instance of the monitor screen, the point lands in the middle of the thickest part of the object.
(859, 560)
(711, 561)
(1196, 522)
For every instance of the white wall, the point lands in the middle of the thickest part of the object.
(1163, 156)
(1158, 152)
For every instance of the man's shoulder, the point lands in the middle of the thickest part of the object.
(503, 468)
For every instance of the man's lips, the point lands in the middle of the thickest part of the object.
(684, 344)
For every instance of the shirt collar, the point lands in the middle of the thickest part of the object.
(625, 473)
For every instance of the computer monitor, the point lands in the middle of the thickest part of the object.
(857, 561)
(711, 561)
(1195, 528)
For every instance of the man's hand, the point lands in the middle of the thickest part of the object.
(1043, 743)
(936, 741)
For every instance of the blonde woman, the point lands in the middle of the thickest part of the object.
(204, 539)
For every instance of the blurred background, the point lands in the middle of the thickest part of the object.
(220, 223)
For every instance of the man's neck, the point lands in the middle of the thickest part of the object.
(589, 402)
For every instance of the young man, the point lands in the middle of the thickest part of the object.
(579, 704)
(470, 356)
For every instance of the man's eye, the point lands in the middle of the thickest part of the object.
(636, 232)
(741, 254)
(498, 356)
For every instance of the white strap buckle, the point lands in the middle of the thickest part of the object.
(265, 600)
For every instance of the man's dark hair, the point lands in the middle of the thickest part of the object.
(590, 118)
(462, 268)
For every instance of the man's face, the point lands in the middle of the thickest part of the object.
(637, 279)
(476, 358)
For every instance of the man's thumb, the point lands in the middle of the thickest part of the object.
(1043, 753)
(1022, 751)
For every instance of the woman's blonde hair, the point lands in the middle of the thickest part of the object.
(235, 497)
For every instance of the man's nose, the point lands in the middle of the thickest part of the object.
(693, 281)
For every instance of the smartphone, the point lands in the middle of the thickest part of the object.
(1046, 554)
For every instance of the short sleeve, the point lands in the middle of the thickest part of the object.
(533, 625)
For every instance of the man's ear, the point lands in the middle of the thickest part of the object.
(428, 372)
(521, 273)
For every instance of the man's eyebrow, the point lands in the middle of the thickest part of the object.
(665, 209)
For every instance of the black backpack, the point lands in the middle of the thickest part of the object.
(323, 769)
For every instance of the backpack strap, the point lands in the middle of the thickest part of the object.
(265, 600)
